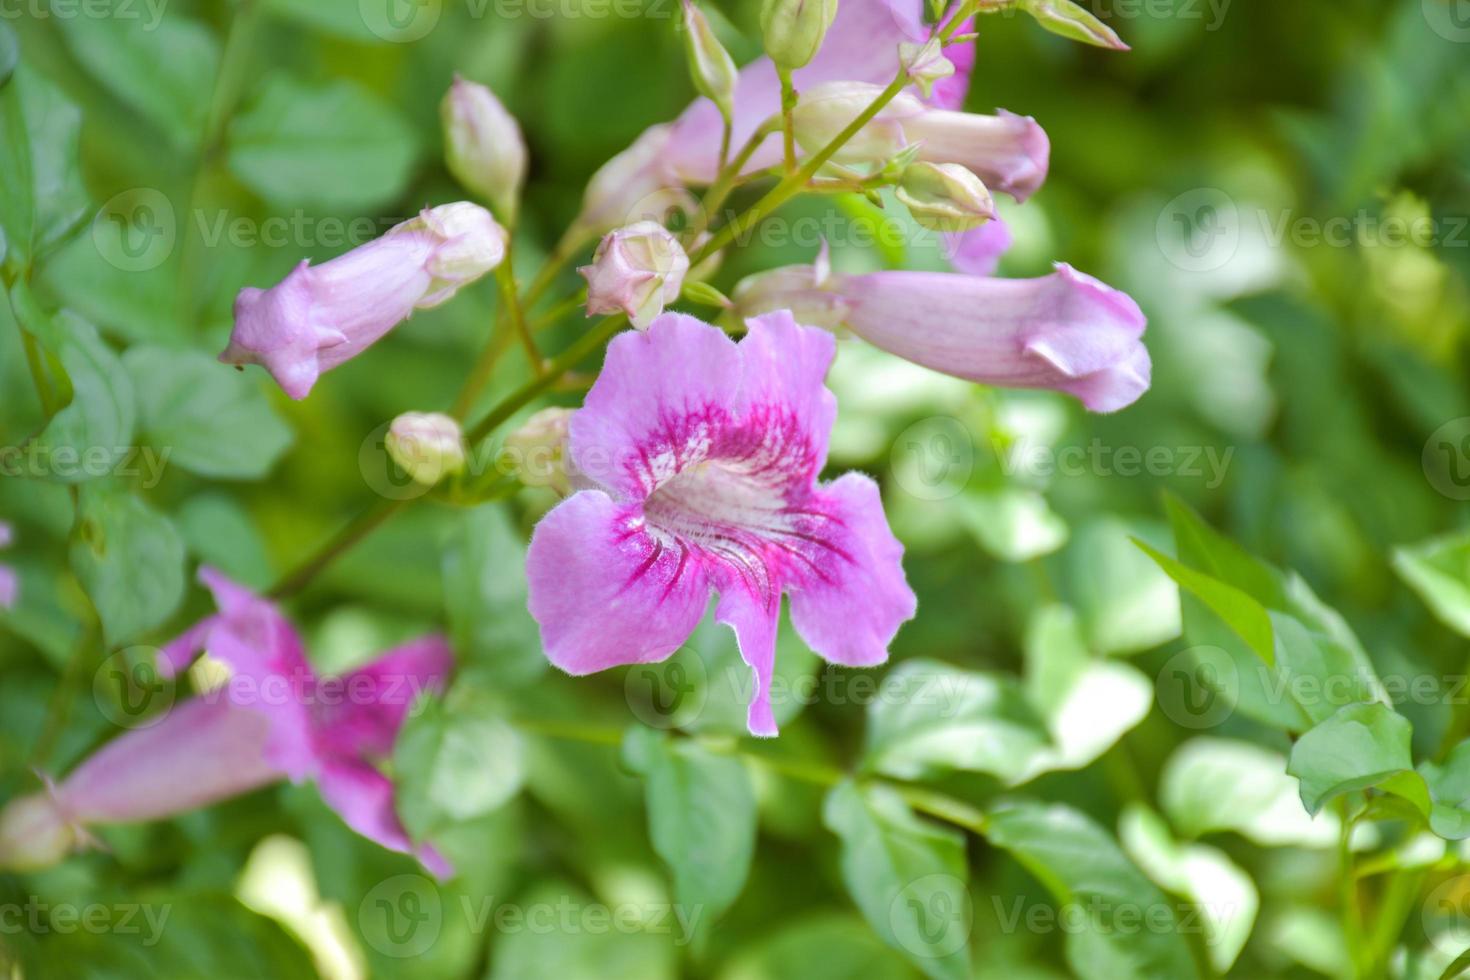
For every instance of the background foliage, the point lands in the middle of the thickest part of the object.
(1238, 173)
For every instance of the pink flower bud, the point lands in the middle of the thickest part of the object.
(428, 445)
(320, 316)
(9, 581)
(34, 834)
(538, 450)
(483, 146)
(637, 270)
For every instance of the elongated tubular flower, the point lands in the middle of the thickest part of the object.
(320, 316)
(9, 581)
(977, 252)
(1066, 331)
(1010, 153)
(862, 45)
(274, 719)
(705, 455)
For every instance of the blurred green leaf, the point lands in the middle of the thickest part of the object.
(1125, 602)
(825, 947)
(933, 718)
(1082, 866)
(583, 952)
(208, 419)
(334, 146)
(1439, 571)
(701, 817)
(485, 597)
(219, 532)
(1012, 523)
(41, 192)
(129, 558)
(454, 763)
(906, 875)
(164, 70)
(1214, 784)
(93, 434)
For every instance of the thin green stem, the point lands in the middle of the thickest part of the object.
(788, 124)
(505, 277)
(554, 315)
(560, 255)
(358, 528)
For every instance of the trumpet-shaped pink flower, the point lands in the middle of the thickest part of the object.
(9, 581)
(862, 45)
(319, 316)
(705, 455)
(1066, 331)
(273, 719)
(978, 251)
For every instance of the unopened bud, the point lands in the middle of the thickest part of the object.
(427, 445)
(826, 110)
(925, 64)
(710, 65)
(33, 834)
(793, 29)
(483, 146)
(636, 270)
(1071, 21)
(945, 197)
(538, 450)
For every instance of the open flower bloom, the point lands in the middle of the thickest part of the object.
(9, 581)
(704, 456)
(862, 45)
(273, 719)
(1066, 331)
(1010, 153)
(319, 316)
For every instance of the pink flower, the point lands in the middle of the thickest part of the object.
(637, 270)
(977, 252)
(9, 581)
(273, 719)
(862, 45)
(319, 316)
(705, 454)
(1066, 331)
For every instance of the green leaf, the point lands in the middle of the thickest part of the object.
(41, 192)
(1082, 866)
(93, 434)
(1126, 603)
(1360, 746)
(454, 763)
(1224, 894)
(219, 532)
(1244, 614)
(823, 947)
(207, 418)
(1439, 571)
(1012, 523)
(906, 875)
(933, 718)
(1215, 784)
(701, 817)
(586, 952)
(9, 53)
(485, 597)
(335, 146)
(129, 558)
(164, 69)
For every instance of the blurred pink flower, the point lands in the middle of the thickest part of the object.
(274, 718)
(1066, 331)
(705, 455)
(319, 316)
(977, 252)
(9, 581)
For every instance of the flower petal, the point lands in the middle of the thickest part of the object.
(850, 609)
(754, 618)
(360, 712)
(606, 591)
(977, 252)
(783, 377)
(655, 406)
(363, 797)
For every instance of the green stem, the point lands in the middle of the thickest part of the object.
(1393, 911)
(788, 124)
(358, 528)
(505, 277)
(560, 255)
(554, 315)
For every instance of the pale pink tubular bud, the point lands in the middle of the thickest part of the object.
(822, 113)
(538, 448)
(320, 316)
(945, 197)
(483, 146)
(34, 834)
(636, 270)
(636, 185)
(427, 445)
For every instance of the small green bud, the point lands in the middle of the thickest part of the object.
(706, 295)
(945, 197)
(925, 64)
(1069, 20)
(427, 445)
(710, 65)
(793, 29)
